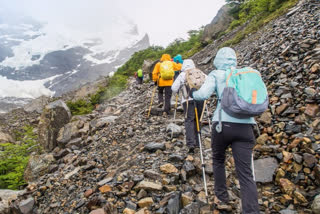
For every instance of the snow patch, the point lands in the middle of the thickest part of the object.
(24, 89)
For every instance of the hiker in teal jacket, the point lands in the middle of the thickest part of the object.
(238, 133)
(179, 61)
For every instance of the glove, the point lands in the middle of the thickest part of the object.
(191, 92)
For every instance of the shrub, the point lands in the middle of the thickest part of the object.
(80, 107)
(14, 158)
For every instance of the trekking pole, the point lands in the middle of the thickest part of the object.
(174, 114)
(201, 155)
(154, 91)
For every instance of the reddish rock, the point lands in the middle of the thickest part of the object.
(312, 110)
(315, 68)
(281, 108)
(98, 211)
(88, 193)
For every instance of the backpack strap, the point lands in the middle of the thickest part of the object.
(219, 126)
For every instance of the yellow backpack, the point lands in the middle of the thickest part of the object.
(166, 70)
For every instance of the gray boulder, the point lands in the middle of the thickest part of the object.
(26, 206)
(316, 204)
(99, 123)
(5, 197)
(177, 130)
(37, 105)
(67, 133)
(152, 147)
(53, 118)
(264, 169)
(38, 166)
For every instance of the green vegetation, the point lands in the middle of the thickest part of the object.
(85, 106)
(14, 158)
(80, 107)
(258, 12)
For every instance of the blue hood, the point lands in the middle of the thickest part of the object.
(178, 59)
(225, 59)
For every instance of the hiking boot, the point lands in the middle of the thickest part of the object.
(222, 206)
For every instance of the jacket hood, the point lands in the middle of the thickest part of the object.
(225, 59)
(165, 57)
(178, 59)
(187, 64)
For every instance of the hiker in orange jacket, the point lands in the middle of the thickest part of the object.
(164, 84)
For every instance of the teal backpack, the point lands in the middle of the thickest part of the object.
(245, 94)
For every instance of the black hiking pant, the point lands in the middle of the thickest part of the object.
(190, 123)
(241, 139)
(167, 100)
(139, 80)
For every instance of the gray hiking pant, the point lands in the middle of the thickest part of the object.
(167, 94)
(241, 139)
(190, 123)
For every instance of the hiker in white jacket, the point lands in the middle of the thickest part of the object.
(188, 105)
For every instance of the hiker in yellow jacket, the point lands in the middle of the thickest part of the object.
(165, 67)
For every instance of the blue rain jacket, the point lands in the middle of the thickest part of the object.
(178, 59)
(215, 83)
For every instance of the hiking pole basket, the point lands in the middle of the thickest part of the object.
(154, 91)
(200, 147)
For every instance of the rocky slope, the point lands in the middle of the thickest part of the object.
(115, 160)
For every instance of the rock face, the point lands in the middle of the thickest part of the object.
(38, 165)
(146, 68)
(219, 24)
(5, 197)
(265, 169)
(53, 118)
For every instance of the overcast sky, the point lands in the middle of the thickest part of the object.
(163, 20)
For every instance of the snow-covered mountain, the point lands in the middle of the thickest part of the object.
(40, 59)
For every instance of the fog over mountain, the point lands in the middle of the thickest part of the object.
(51, 58)
(51, 47)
